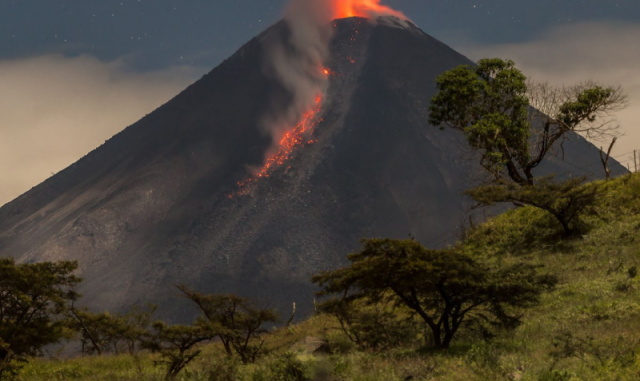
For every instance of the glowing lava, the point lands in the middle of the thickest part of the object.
(361, 8)
(301, 134)
(298, 136)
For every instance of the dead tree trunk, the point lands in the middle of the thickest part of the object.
(605, 159)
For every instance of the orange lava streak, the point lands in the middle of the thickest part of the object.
(361, 8)
(300, 135)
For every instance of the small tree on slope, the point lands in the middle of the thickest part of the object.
(237, 322)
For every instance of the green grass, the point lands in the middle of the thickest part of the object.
(597, 301)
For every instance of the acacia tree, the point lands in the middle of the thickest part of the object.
(515, 124)
(33, 298)
(176, 344)
(565, 201)
(447, 289)
(237, 322)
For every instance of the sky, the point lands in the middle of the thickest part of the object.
(74, 73)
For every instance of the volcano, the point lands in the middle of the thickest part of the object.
(175, 197)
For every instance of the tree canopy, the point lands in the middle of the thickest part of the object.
(33, 298)
(447, 289)
(515, 123)
(235, 320)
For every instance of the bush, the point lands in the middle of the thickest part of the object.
(226, 369)
(375, 326)
(288, 367)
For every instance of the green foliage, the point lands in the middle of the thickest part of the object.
(375, 326)
(224, 369)
(449, 290)
(104, 332)
(177, 345)
(237, 322)
(596, 354)
(604, 344)
(33, 298)
(287, 367)
(490, 103)
(584, 106)
(566, 201)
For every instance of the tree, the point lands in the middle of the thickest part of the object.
(604, 158)
(491, 104)
(104, 332)
(566, 201)
(238, 323)
(98, 331)
(447, 289)
(177, 345)
(514, 124)
(33, 298)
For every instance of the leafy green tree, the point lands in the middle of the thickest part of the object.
(491, 104)
(33, 299)
(177, 345)
(447, 289)
(238, 323)
(515, 124)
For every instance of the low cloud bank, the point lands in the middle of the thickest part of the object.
(605, 52)
(54, 110)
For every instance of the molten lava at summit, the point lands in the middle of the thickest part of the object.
(361, 8)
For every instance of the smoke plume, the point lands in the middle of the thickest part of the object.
(298, 63)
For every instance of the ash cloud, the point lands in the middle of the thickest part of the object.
(605, 52)
(55, 109)
(297, 63)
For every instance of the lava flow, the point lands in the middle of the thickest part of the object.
(361, 8)
(300, 135)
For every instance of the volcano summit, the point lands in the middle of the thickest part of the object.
(178, 196)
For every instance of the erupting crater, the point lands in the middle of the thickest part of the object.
(362, 8)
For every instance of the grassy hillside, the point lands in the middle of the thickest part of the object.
(587, 329)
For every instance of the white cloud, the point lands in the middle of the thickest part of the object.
(605, 52)
(54, 110)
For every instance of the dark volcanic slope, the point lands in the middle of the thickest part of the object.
(151, 207)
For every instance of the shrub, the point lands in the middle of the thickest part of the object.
(375, 326)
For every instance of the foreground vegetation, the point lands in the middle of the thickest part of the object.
(588, 328)
(545, 292)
